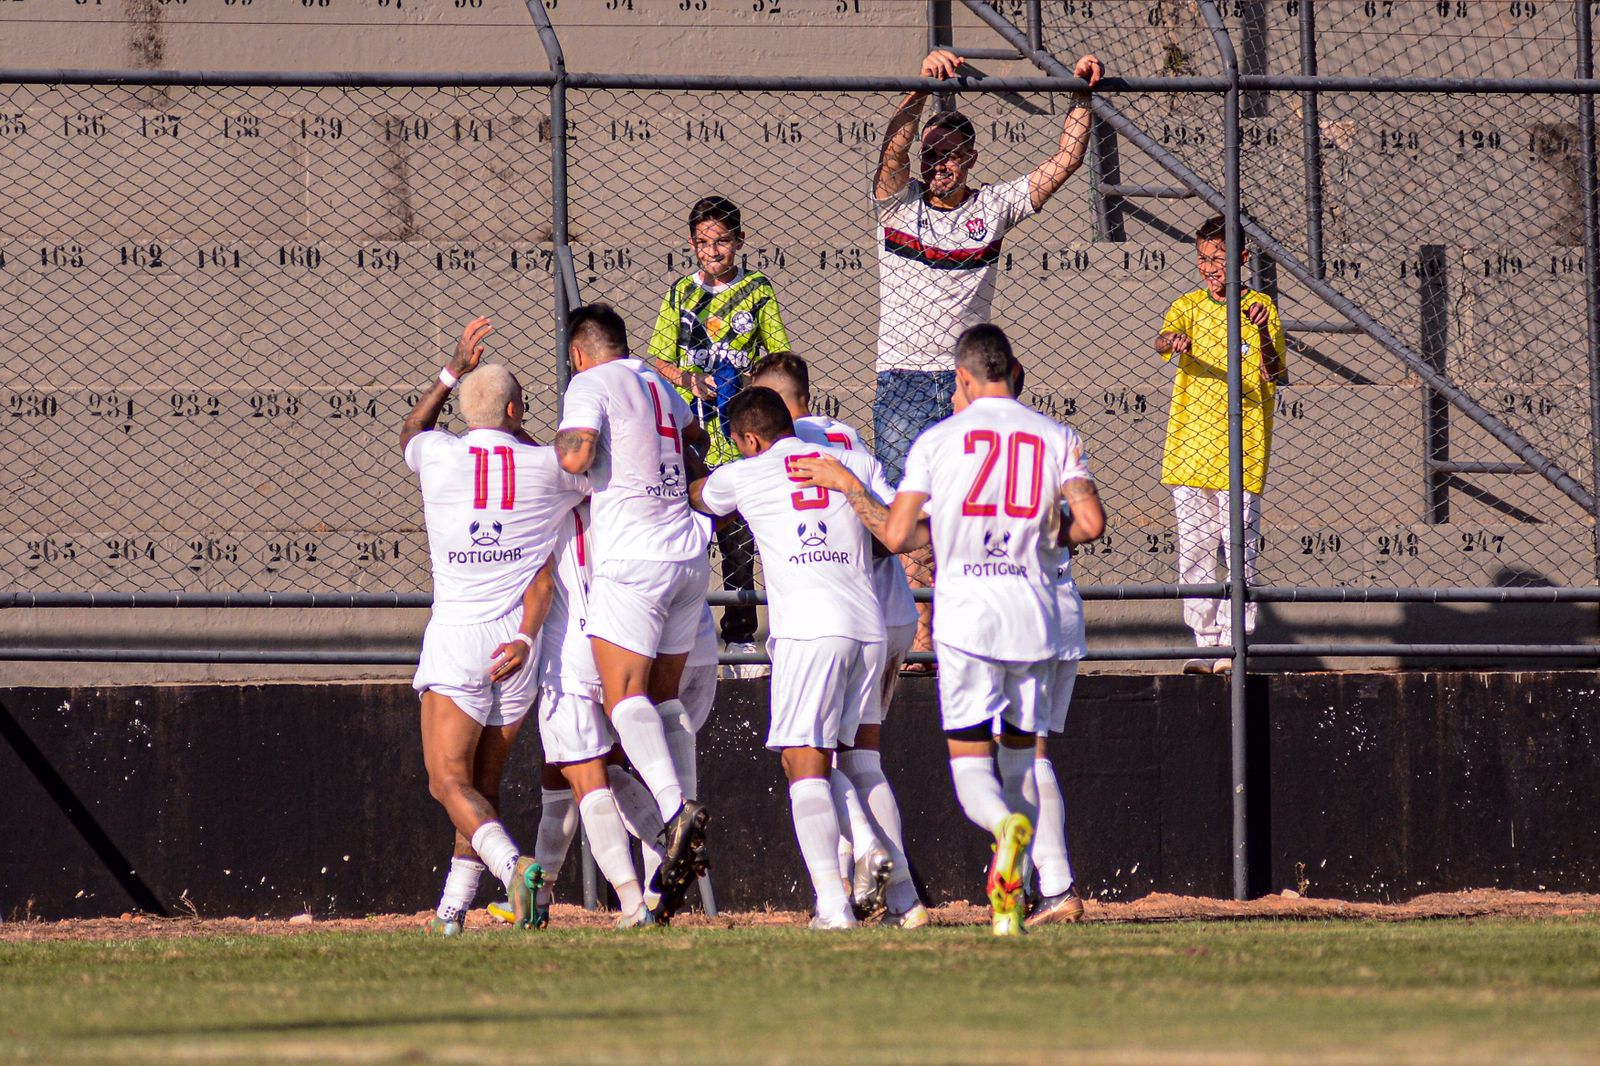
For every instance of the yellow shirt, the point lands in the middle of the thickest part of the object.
(1196, 453)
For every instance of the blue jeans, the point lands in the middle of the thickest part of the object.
(908, 402)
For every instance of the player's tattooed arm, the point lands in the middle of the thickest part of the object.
(1085, 515)
(514, 654)
(469, 350)
(576, 449)
(695, 443)
(898, 528)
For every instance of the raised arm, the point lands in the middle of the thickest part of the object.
(511, 656)
(469, 350)
(1053, 173)
(894, 160)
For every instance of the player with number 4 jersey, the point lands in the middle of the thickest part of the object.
(632, 433)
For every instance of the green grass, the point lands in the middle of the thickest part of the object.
(1491, 990)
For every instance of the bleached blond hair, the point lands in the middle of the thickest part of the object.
(485, 393)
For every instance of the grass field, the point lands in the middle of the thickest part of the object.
(1439, 991)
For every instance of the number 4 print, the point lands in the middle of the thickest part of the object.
(666, 425)
(480, 477)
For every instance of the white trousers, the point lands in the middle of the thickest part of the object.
(1202, 528)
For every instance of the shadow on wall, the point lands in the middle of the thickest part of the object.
(1436, 623)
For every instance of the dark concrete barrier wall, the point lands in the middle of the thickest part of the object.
(281, 798)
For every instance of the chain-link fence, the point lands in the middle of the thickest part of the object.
(221, 299)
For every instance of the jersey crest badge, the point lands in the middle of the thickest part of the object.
(742, 322)
(813, 538)
(997, 547)
(485, 538)
(977, 229)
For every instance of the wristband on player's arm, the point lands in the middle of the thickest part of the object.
(527, 640)
(447, 379)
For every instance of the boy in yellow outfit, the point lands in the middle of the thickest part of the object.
(1195, 460)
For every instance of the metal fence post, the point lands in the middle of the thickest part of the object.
(560, 251)
(1311, 131)
(1591, 252)
(1433, 299)
(1237, 592)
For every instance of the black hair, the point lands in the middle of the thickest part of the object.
(1214, 228)
(788, 366)
(1019, 376)
(715, 209)
(760, 411)
(599, 329)
(984, 352)
(955, 122)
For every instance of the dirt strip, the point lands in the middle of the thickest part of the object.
(1159, 907)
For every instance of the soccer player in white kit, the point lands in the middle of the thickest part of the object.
(992, 479)
(827, 635)
(493, 506)
(1040, 797)
(633, 434)
(880, 873)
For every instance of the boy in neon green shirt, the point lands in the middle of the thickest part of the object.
(715, 325)
(1195, 460)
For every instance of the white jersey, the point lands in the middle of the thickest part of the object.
(993, 475)
(936, 270)
(1073, 645)
(641, 485)
(888, 576)
(815, 553)
(493, 507)
(568, 656)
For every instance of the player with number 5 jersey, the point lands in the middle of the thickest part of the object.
(827, 633)
(631, 432)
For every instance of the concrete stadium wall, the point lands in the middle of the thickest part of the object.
(98, 504)
(278, 799)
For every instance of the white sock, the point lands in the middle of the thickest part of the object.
(1017, 779)
(639, 814)
(680, 743)
(460, 888)
(496, 849)
(558, 824)
(816, 826)
(639, 728)
(979, 792)
(608, 842)
(865, 769)
(1050, 835)
(847, 801)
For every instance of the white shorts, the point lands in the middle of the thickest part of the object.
(901, 638)
(455, 663)
(1061, 685)
(572, 725)
(648, 606)
(822, 690)
(698, 691)
(976, 691)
